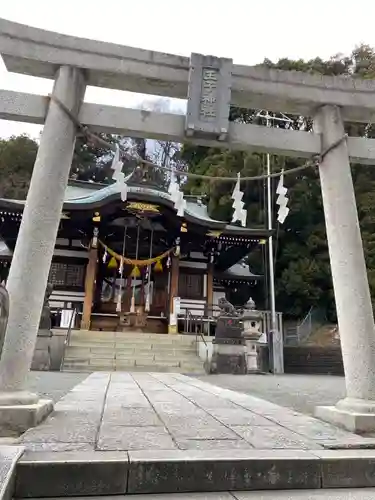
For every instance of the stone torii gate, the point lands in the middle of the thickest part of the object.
(210, 84)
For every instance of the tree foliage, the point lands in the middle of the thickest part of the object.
(17, 157)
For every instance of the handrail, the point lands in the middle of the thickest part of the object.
(205, 345)
(202, 337)
(67, 336)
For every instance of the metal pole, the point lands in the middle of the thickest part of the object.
(275, 340)
(274, 328)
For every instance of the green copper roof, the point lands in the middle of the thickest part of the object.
(90, 196)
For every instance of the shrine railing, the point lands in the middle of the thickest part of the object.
(189, 322)
(204, 320)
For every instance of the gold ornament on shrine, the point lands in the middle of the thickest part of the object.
(136, 273)
(158, 268)
(112, 264)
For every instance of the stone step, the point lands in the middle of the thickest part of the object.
(141, 337)
(116, 353)
(93, 473)
(130, 364)
(153, 362)
(132, 361)
(132, 345)
(143, 369)
(89, 351)
(129, 347)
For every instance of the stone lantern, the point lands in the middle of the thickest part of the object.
(252, 322)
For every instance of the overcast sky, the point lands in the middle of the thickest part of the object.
(245, 30)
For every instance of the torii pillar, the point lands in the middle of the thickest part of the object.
(20, 409)
(352, 294)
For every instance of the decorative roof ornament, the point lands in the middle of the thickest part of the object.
(240, 214)
(177, 195)
(282, 200)
(118, 174)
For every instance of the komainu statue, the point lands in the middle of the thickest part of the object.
(226, 308)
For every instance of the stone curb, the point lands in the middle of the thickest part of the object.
(57, 474)
(8, 461)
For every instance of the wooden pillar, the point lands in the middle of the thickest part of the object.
(210, 288)
(127, 294)
(89, 288)
(173, 292)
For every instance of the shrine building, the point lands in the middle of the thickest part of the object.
(137, 264)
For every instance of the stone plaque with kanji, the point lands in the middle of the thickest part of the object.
(209, 97)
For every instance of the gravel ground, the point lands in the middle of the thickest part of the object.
(54, 385)
(301, 392)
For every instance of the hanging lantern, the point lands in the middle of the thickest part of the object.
(112, 264)
(136, 273)
(158, 268)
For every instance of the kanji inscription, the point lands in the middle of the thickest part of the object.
(209, 93)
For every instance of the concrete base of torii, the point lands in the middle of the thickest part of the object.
(16, 419)
(345, 415)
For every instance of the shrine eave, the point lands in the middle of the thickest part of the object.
(4, 250)
(86, 196)
(238, 272)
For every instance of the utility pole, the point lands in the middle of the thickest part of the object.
(275, 342)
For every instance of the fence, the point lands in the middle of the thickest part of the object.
(313, 319)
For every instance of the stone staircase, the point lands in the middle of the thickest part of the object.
(90, 351)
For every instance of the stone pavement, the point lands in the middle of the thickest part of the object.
(155, 411)
(53, 385)
(357, 494)
(147, 433)
(300, 392)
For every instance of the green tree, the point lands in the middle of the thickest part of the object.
(17, 157)
(91, 161)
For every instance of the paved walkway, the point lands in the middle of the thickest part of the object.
(347, 494)
(300, 392)
(154, 411)
(53, 385)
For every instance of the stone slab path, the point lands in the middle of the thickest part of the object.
(347, 494)
(157, 411)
